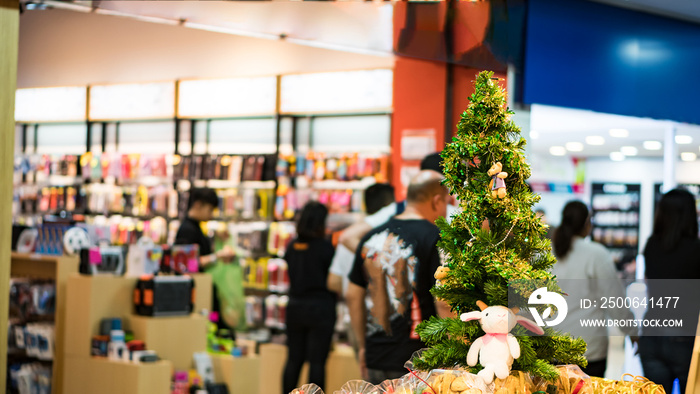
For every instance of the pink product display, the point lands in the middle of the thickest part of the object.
(278, 275)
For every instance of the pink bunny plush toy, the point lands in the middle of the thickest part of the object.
(498, 348)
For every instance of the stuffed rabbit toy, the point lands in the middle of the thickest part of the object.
(498, 348)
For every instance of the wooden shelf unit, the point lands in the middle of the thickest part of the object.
(57, 269)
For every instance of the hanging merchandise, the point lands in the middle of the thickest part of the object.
(278, 275)
(75, 239)
(181, 259)
(275, 311)
(100, 260)
(281, 235)
(334, 180)
(143, 258)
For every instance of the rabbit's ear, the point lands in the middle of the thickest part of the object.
(529, 324)
(475, 315)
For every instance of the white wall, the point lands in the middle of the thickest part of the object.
(59, 48)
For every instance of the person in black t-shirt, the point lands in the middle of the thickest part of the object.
(672, 252)
(394, 267)
(200, 209)
(311, 310)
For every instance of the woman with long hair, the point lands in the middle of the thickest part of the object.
(586, 270)
(672, 252)
(311, 312)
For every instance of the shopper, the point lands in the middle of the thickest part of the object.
(433, 162)
(311, 311)
(200, 208)
(592, 271)
(672, 252)
(380, 206)
(394, 265)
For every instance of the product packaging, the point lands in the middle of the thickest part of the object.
(447, 381)
(635, 384)
(308, 389)
(358, 387)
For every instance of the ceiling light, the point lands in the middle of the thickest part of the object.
(557, 150)
(629, 151)
(595, 140)
(617, 156)
(619, 133)
(684, 139)
(652, 145)
(574, 146)
(688, 156)
(534, 134)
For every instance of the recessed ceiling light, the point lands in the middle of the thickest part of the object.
(617, 156)
(688, 156)
(574, 146)
(595, 140)
(534, 134)
(557, 150)
(619, 133)
(684, 139)
(653, 145)
(629, 151)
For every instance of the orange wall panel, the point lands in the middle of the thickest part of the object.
(419, 103)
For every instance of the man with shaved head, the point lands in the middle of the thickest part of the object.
(394, 267)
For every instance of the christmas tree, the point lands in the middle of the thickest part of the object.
(495, 241)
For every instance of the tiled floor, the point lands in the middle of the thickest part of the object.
(616, 358)
(621, 357)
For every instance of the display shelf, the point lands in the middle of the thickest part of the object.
(332, 184)
(57, 269)
(240, 374)
(21, 354)
(630, 226)
(615, 217)
(262, 292)
(341, 367)
(93, 298)
(174, 338)
(226, 184)
(90, 375)
(615, 210)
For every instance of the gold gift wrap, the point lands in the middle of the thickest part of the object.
(518, 382)
(457, 381)
(635, 385)
(449, 381)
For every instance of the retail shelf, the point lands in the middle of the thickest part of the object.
(21, 354)
(635, 209)
(148, 180)
(333, 184)
(63, 180)
(89, 375)
(227, 184)
(58, 269)
(127, 215)
(262, 292)
(620, 226)
(623, 247)
(239, 219)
